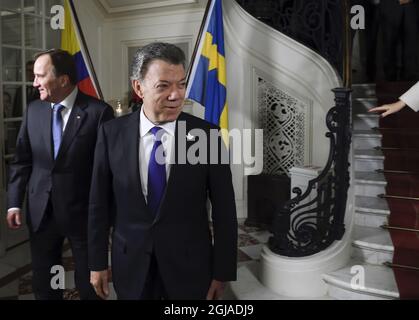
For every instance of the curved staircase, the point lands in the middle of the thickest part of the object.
(372, 245)
(385, 165)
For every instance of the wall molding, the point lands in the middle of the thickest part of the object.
(150, 5)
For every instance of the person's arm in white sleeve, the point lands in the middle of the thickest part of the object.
(409, 98)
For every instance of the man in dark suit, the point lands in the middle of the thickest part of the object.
(53, 162)
(156, 199)
(399, 21)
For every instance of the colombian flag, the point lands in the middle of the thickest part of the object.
(70, 41)
(207, 82)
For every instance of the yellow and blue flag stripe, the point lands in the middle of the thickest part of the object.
(207, 83)
(71, 43)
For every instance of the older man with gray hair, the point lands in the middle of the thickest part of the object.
(162, 245)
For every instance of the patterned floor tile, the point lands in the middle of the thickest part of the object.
(241, 256)
(68, 263)
(25, 284)
(253, 251)
(261, 236)
(250, 242)
(245, 240)
(71, 294)
(248, 229)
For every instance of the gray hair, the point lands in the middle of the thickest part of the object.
(155, 51)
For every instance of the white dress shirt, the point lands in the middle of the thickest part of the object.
(411, 97)
(146, 145)
(68, 104)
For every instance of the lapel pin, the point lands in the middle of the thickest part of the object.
(78, 117)
(190, 137)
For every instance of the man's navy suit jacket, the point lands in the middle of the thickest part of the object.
(187, 254)
(64, 181)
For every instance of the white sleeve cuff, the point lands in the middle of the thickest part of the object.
(411, 97)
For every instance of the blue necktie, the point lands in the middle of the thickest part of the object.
(57, 127)
(156, 174)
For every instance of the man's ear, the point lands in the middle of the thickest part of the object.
(64, 80)
(136, 86)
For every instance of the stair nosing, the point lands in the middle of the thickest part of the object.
(367, 115)
(380, 212)
(362, 208)
(330, 279)
(361, 85)
(372, 246)
(363, 99)
(367, 157)
(366, 133)
(370, 182)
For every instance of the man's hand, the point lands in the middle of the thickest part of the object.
(14, 219)
(216, 290)
(99, 281)
(389, 108)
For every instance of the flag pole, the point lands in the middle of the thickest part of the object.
(198, 41)
(86, 49)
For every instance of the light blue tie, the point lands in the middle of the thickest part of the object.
(156, 175)
(57, 127)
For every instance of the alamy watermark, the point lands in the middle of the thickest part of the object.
(199, 146)
(358, 280)
(57, 17)
(58, 278)
(358, 18)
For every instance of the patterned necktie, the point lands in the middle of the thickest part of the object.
(156, 173)
(57, 127)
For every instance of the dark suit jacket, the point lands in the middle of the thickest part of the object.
(179, 235)
(66, 180)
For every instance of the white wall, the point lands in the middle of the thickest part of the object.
(109, 38)
(251, 47)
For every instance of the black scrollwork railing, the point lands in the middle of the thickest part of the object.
(309, 223)
(312, 220)
(315, 23)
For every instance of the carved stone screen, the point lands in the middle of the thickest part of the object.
(283, 118)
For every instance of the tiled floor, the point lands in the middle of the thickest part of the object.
(17, 285)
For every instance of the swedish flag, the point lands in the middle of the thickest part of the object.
(207, 82)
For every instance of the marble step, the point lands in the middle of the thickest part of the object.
(363, 90)
(368, 160)
(371, 211)
(345, 284)
(369, 184)
(362, 105)
(366, 139)
(365, 121)
(249, 287)
(372, 245)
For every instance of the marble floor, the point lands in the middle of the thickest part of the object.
(16, 275)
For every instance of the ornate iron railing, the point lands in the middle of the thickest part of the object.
(310, 222)
(313, 220)
(315, 23)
